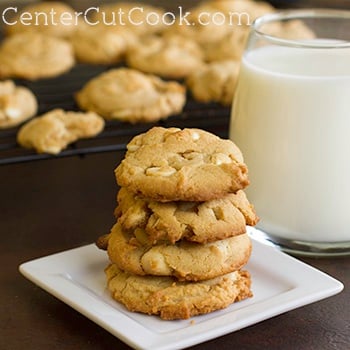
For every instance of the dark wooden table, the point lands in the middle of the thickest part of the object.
(53, 205)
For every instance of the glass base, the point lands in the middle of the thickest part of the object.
(303, 248)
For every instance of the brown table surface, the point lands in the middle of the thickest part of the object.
(53, 205)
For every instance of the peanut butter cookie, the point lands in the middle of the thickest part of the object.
(53, 131)
(182, 165)
(129, 95)
(101, 44)
(17, 104)
(34, 56)
(134, 253)
(200, 222)
(172, 56)
(171, 299)
(214, 82)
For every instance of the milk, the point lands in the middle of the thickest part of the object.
(291, 119)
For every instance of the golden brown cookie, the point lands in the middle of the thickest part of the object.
(101, 44)
(139, 17)
(200, 222)
(129, 95)
(214, 82)
(184, 260)
(171, 299)
(54, 130)
(182, 165)
(229, 47)
(53, 18)
(172, 56)
(17, 104)
(34, 56)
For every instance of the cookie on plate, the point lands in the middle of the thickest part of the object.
(53, 131)
(171, 299)
(34, 56)
(172, 56)
(17, 104)
(54, 18)
(170, 164)
(134, 253)
(101, 44)
(214, 82)
(200, 222)
(129, 95)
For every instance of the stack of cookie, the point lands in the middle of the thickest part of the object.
(180, 240)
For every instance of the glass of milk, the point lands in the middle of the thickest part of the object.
(291, 119)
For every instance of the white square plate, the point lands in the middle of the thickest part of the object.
(280, 283)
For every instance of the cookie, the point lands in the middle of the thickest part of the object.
(134, 253)
(129, 95)
(101, 44)
(53, 131)
(34, 56)
(17, 104)
(182, 165)
(229, 47)
(200, 222)
(140, 18)
(171, 56)
(53, 18)
(214, 82)
(171, 299)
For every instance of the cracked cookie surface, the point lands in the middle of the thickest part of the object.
(171, 299)
(185, 260)
(200, 222)
(170, 164)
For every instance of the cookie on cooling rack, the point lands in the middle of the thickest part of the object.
(200, 222)
(171, 299)
(101, 44)
(129, 95)
(170, 164)
(17, 104)
(214, 82)
(33, 56)
(171, 56)
(134, 253)
(53, 131)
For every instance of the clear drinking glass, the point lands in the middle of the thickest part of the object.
(291, 119)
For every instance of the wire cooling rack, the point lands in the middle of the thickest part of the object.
(59, 93)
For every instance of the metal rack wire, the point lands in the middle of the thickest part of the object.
(59, 93)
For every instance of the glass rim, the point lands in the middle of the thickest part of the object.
(301, 14)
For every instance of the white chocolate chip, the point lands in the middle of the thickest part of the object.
(160, 171)
(195, 136)
(132, 147)
(221, 158)
(12, 113)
